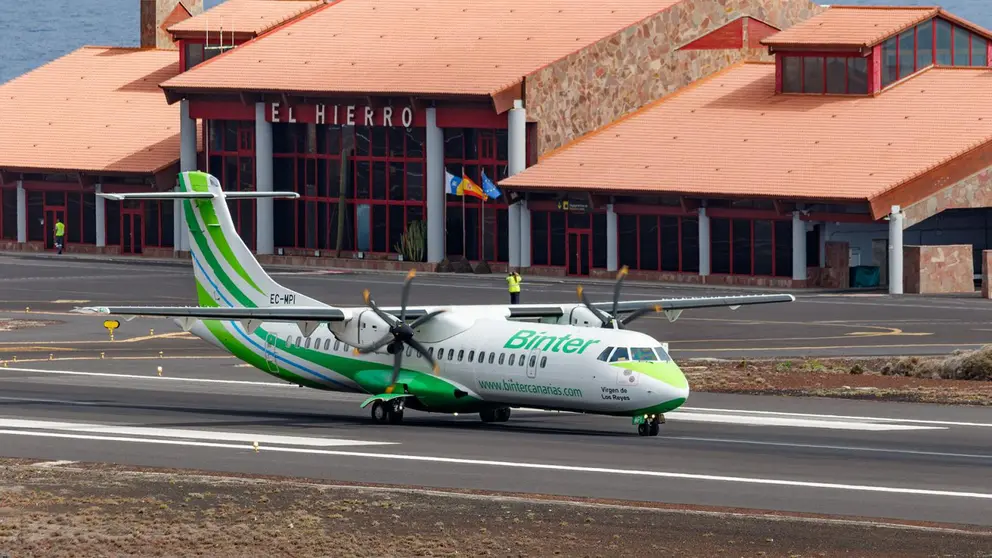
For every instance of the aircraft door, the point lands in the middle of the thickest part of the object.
(270, 349)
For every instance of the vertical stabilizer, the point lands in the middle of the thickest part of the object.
(227, 274)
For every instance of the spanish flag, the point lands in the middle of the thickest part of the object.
(463, 187)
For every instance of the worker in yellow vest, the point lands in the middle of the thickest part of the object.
(59, 234)
(513, 280)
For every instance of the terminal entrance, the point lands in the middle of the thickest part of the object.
(53, 214)
(131, 231)
(579, 252)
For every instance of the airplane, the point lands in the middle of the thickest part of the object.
(576, 357)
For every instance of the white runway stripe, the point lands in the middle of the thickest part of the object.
(34, 426)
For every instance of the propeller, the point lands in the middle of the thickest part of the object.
(610, 320)
(400, 333)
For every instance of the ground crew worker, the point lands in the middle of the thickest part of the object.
(59, 234)
(513, 280)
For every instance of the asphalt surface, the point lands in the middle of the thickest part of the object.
(902, 462)
(816, 325)
(74, 395)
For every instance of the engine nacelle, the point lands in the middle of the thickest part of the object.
(582, 317)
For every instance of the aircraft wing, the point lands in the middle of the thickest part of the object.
(272, 314)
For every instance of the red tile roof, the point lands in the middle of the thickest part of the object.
(97, 109)
(859, 26)
(251, 17)
(416, 46)
(730, 135)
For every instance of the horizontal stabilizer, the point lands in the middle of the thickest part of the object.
(196, 195)
(311, 314)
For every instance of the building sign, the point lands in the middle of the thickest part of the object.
(579, 204)
(341, 115)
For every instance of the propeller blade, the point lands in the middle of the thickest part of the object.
(602, 316)
(638, 313)
(382, 342)
(435, 367)
(406, 294)
(616, 289)
(397, 362)
(388, 318)
(424, 319)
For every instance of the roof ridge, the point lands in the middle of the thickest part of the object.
(882, 7)
(645, 107)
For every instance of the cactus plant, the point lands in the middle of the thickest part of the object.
(411, 244)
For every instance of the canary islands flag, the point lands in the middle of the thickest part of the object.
(463, 186)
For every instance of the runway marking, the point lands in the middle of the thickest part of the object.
(793, 422)
(182, 335)
(32, 427)
(837, 448)
(633, 472)
(849, 417)
(822, 347)
(69, 301)
(140, 377)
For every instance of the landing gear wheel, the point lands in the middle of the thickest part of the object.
(488, 415)
(502, 414)
(395, 417)
(652, 427)
(643, 428)
(380, 412)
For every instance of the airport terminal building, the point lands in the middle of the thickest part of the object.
(751, 142)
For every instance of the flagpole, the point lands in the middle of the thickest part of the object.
(464, 227)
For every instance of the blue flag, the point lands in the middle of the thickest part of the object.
(489, 188)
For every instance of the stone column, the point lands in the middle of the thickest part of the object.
(611, 239)
(435, 188)
(895, 250)
(798, 247)
(704, 242)
(517, 162)
(265, 238)
(22, 213)
(525, 235)
(100, 205)
(187, 162)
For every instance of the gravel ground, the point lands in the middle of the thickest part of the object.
(73, 510)
(850, 378)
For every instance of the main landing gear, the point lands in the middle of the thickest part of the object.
(388, 411)
(649, 425)
(498, 414)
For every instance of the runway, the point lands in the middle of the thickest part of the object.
(903, 462)
(73, 394)
(816, 325)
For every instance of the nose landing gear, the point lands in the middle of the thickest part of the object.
(499, 414)
(649, 425)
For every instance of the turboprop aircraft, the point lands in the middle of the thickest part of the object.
(482, 359)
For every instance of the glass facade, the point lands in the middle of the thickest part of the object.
(474, 229)
(8, 213)
(841, 74)
(915, 49)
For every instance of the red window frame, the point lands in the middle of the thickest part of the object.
(244, 152)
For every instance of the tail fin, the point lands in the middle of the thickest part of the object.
(227, 274)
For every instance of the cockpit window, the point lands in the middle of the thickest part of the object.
(605, 355)
(642, 354)
(620, 354)
(662, 354)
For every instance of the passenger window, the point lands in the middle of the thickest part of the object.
(533, 359)
(605, 355)
(620, 354)
(327, 345)
(337, 344)
(523, 359)
(289, 340)
(430, 351)
(482, 356)
(501, 357)
(409, 351)
(461, 354)
(641, 354)
(544, 361)
(440, 354)
(299, 341)
(471, 356)
(492, 356)
(512, 356)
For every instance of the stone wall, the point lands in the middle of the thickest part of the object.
(642, 63)
(836, 274)
(153, 15)
(938, 269)
(972, 192)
